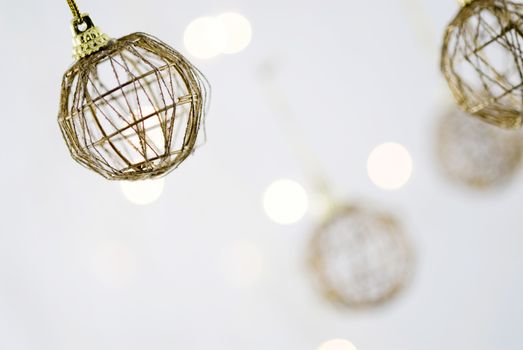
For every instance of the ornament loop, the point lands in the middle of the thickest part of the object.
(74, 9)
(86, 40)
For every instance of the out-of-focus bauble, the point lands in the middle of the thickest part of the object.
(360, 257)
(477, 154)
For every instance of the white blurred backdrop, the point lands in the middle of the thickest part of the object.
(197, 263)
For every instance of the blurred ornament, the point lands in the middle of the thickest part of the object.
(130, 108)
(475, 153)
(360, 258)
(483, 62)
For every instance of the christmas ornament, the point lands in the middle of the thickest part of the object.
(477, 154)
(130, 108)
(483, 63)
(359, 257)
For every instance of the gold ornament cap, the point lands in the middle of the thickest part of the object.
(87, 38)
(464, 3)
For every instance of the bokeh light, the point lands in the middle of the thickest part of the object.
(337, 344)
(238, 32)
(285, 202)
(142, 192)
(389, 166)
(205, 37)
(242, 264)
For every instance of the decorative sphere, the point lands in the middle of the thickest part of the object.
(132, 110)
(360, 258)
(477, 154)
(483, 63)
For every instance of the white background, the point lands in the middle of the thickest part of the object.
(82, 268)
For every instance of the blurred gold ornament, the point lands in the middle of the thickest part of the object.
(477, 154)
(130, 108)
(482, 60)
(360, 258)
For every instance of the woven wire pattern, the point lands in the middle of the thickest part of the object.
(133, 110)
(482, 61)
(477, 154)
(360, 258)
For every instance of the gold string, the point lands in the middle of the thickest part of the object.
(74, 9)
(310, 164)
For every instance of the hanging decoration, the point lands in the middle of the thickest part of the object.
(130, 108)
(360, 257)
(482, 60)
(477, 154)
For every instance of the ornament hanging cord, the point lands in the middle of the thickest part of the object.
(301, 149)
(75, 10)
(420, 19)
(426, 33)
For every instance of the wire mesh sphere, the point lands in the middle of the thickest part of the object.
(477, 154)
(360, 258)
(483, 63)
(132, 110)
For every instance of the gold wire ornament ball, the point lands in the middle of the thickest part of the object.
(477, 154)
(132, 109)
(482, 60)
(360, 258)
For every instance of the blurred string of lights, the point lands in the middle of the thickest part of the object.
(358, 256)
(470, 152)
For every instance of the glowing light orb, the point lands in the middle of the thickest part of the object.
(205, 37)
(142, 192)
(238, 32)
(285, 202)
(389, 166)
